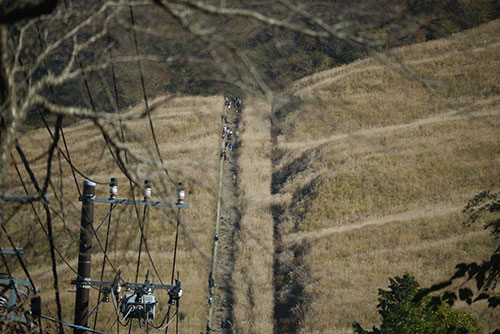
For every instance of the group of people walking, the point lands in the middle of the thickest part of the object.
(229, 135)
(236, 103)
(229, 138)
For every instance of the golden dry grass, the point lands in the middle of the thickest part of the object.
(253, 286)
(378, 159)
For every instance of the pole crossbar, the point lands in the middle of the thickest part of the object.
(16, 281)
(126, 285)
(25, 198)
(11, 251)
(132, 202)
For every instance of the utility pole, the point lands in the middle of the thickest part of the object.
(84, 257)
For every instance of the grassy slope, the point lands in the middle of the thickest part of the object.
(252, 281)
(378, 158)
(188, 132)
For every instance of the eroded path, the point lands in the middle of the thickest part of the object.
(220, 315)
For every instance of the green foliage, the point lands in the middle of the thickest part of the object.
(484, 207)
(401, 314)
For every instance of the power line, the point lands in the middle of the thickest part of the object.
(139, 64)
(48, 216)
(111, 207)
(38, 217)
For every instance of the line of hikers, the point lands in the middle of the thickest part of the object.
(227, 137)
(236, 103)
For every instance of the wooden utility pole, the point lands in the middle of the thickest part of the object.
(84, 257)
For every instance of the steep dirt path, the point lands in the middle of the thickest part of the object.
(220, 314)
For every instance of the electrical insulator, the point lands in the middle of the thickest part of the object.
(181, 194)
(175, 293)
(113, 188)
(147, 190)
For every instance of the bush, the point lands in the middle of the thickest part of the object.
(400, 314)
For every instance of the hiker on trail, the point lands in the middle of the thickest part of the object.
(234, 179)
(224, 155)
(226, 145)
(229, 135)
(236, 134)
(237, 104)
(226, 101)
(231, 147)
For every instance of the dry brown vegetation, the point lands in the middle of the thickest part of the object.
(253, 281)
(374, 162)
(371, 165)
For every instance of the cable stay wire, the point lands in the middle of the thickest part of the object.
(111, 208)
(141, 226)
(103, 249)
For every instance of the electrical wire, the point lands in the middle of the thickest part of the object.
(111, 208)
(118, 312)
(139, 64)
(70, 325)
(48, 216)
(103, 249)
(38, 217)
(141, 226)
(19, 258)
(42, 47)
(73, 167)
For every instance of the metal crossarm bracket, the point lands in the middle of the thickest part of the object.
(25, 198)
(26, 283)
(147, 203)
(127, 285)
(11, 251)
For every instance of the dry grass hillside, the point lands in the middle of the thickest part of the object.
(187, 129)
(253, 279)
(373, 163)
(369, 166)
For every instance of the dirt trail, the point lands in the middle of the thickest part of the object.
(220, 314)
(425, 213)
(307, 85)
(454, 115)
(426, 244)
